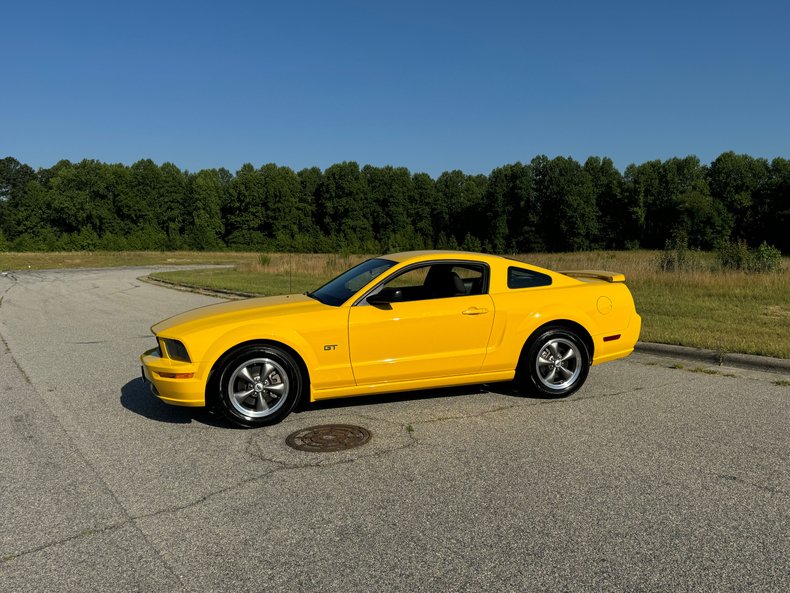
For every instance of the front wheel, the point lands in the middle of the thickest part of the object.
(556, 363)
(258, 385)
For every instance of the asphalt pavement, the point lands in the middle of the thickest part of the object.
(659, 475)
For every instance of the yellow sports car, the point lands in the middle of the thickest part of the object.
(395, 323)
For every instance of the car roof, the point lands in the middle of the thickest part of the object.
(428, 254)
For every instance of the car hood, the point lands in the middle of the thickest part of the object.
(221, 313)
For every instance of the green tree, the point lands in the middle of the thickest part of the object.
(642, 186)
(137, 204)
(205, 228)
(245, 209)
(459, 206)
(733, 179)
(423, 202)
(344, 208)
(29, 213)
(702, 219)
(770, 214)
(171, 210)
(620, 212)
(568, 216)
(511, 216)
(281, 198)
(84, 195)
(391, 190)
(683, 180)
(309, 238)
(14, 177)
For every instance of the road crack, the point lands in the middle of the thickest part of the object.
(739, 480)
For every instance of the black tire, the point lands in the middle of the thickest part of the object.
(270, 378)
(555, 363)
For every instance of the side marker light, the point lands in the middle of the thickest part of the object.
(176, 375)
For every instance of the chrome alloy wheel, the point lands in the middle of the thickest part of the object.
(558, 364)
(258, 387)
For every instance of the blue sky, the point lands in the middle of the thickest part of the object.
(432, 86)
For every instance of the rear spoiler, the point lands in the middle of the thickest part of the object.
(596, 275)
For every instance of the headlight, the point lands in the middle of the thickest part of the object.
(175, 350)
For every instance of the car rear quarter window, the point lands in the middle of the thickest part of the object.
(521, 278)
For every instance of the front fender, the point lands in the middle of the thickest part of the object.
(320, 340)
(258, 332)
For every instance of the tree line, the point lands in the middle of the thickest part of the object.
(547, 204)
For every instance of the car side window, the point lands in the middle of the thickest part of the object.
(435, 281)
(521, 278)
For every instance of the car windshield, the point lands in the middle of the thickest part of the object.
(338, 291)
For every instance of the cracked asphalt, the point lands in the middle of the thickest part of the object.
(651, 478)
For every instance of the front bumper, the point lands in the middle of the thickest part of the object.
(179, 392)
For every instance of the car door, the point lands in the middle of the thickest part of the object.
(434, 327)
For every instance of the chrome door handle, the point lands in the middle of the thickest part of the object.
(474, 311)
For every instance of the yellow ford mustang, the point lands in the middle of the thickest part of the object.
(396, 323)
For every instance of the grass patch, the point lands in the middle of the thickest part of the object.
(268, 275)
(710, 372)
(112, 259)
(782, 383)
(231, 279)
(704, 370)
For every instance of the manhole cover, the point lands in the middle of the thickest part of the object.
(328, 437)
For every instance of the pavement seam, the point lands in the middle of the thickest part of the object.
(64, 540)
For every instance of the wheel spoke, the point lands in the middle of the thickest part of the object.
(543, 361)
(260, 404)
(551, 375)
(554, 350)
(565, 372)
(276, 390)
(245, 374)
(569, 355)
(266, 370)
(240, 396)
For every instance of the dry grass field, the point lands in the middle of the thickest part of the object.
(704, 307)
(111, 259)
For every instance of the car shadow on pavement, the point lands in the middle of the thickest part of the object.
(136, 397)
(405, 396)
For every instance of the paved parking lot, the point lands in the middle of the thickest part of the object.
(649, 479)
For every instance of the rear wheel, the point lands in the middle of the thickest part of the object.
(258, 385)
(556, 363)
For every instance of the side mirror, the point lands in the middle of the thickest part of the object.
(385, 297)
(378, 300)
